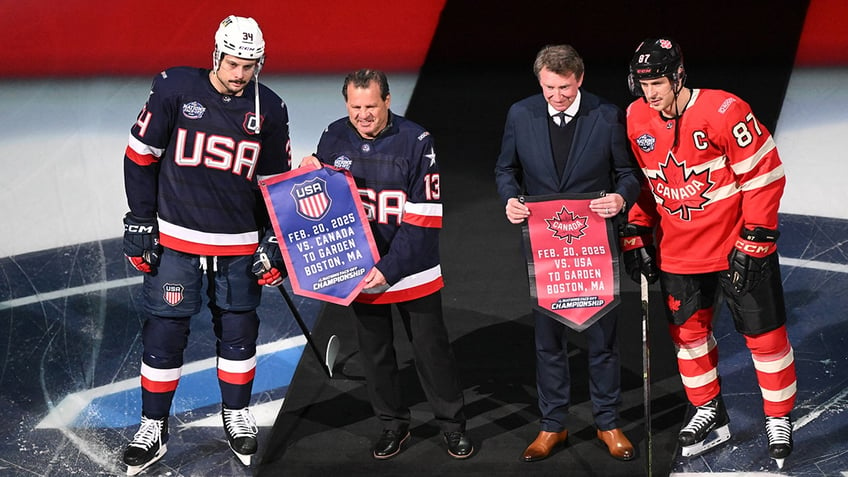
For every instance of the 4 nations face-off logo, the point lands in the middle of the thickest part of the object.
(567, 225)
(680, 190)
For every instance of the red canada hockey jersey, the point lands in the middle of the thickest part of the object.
(193, 161)
(723, 175)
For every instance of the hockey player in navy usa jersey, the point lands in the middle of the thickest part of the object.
(394, 164)
(191, 169)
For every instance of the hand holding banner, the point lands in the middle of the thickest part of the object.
(322, 231)
(572, 260)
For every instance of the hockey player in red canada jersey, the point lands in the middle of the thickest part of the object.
(715, 182)
(195, 153)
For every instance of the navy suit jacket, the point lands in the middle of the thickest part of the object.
(600, 158)
(600, 161)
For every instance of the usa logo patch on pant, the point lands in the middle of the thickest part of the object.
(173, 293)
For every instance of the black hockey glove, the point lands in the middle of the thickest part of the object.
(749, 263)
(141, 243)
(640, 255)
(268, 265)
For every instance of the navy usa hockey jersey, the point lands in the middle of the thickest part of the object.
(193, 161)
(398, 180)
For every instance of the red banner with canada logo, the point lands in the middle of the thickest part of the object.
(572, 259)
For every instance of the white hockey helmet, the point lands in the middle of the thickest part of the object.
(239, 37)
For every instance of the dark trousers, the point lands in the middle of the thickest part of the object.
(172, 295)
(553, 377)
(434, 360)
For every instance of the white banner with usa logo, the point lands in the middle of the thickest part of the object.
(323, 232)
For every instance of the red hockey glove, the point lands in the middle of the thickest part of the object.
(141, 243)
(640, 255)
(268, 265)
(749, 264)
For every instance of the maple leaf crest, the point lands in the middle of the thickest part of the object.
(566, 225)
(681, 190)
(673, 303)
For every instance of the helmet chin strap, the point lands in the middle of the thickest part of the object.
(677, 101)
(677, 112)
(256, 98)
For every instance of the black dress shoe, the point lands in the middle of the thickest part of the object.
(459, 445)
(390, 443)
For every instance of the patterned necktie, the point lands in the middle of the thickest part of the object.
(561, 115)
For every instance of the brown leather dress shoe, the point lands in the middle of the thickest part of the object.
(617, 443)
(543, 445)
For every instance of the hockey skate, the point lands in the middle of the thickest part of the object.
(147, 446)
(241, 430)
(708, 427)
(779, 432)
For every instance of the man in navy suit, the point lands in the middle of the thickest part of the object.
(569, 140)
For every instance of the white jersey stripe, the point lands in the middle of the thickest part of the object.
(142, 148)
(416, 279)
(196, 236)
(764, 179)
(750, 163)
(428, 209)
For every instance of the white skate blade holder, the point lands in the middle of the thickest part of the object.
(243, 458)
(716, 437)
(779, 462)
(137, 469)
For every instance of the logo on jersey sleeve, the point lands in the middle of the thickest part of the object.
(431, 156)
(726, 105)
(567, 225)
(311, 198)
(646, 142)
(193, 110)
(343, 162)
(681, 190)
